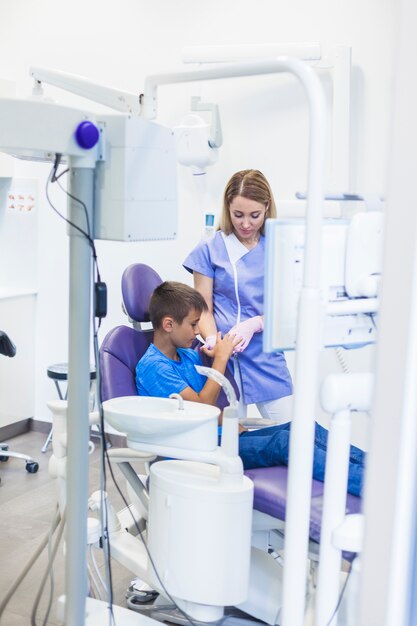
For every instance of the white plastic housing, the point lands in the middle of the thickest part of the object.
(349, 535)
(136, 172)
(285, 249)
(192, 140)
(265, 587)
(352, 391)
(364, 254)
(36, 130)
(199, 532)
(136, 183)
(7, 90)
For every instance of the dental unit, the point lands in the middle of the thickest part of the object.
(203, 495)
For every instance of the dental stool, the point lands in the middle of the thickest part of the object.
(59, 374)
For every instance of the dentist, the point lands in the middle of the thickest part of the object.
(228, 271)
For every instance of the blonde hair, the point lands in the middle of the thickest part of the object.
(250, 184)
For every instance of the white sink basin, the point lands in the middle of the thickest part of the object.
(161, 421)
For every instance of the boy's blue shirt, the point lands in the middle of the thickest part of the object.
(159, 376)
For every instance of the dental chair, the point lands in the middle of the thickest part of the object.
(119, 354)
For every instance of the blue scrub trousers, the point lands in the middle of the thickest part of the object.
(268, 447)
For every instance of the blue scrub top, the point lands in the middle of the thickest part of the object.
(264, 376)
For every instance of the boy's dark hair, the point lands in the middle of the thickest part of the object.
(175, 300)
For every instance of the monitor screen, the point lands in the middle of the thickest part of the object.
(284, 264)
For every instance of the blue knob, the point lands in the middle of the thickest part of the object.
(87, 135)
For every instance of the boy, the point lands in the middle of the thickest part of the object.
(168, 364)
(168, 367)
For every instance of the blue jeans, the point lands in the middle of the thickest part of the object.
(267, 447)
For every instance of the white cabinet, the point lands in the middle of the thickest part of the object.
(18, 288)
(7, 90)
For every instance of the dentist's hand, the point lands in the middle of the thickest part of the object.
(245, 331)
(223, 347)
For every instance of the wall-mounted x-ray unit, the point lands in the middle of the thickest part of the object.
(350, 273)
(337, 60)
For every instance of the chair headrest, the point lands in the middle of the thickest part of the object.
(138, 283)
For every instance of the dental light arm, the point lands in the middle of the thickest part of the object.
(114, 98)
(148, 98)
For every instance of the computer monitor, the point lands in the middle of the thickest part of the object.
(285, 243)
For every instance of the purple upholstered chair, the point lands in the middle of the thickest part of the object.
(270, 497)
(123, 346)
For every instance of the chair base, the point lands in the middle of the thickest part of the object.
(31, 465)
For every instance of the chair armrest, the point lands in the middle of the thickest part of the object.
(254, 423)
(125, 455)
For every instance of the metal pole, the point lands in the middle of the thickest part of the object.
(81, 185)
(334, 510)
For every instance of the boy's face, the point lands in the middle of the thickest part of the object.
(183, 334)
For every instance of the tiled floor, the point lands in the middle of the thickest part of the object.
(27, 505)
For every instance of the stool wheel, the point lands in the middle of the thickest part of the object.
(4, 457)
(32, 467)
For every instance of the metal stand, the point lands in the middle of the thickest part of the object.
(82, 183)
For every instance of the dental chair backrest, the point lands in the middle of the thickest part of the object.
(123, 346)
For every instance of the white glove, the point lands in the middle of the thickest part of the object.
(246, 330)
(211, 341)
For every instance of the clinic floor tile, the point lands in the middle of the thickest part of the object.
(28, 503)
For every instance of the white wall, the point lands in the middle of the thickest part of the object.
(264, 119)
